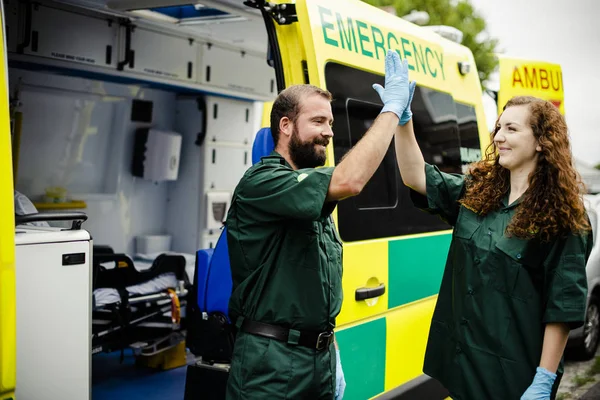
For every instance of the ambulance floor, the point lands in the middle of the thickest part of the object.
(112, 380)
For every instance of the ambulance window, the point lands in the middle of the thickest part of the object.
(382, 189)
(436, 129)
(384, 207)
(470, 148)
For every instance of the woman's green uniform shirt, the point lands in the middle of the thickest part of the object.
(496, 296)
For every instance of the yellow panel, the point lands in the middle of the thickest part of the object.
(291, 47)
(266, 115)
(407, 331)
(365, 265)
(484, 135)
(7, 241)
(354, 33)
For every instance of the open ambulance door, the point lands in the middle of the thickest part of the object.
(7, 237)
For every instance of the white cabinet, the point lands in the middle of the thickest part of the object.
(236, 70)
(78, 39)
(229, 120)
(54, 296)
(224, 165)
(163, 55)
(228, 142)
(72, 37)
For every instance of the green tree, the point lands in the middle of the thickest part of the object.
(459, 14)
(597, 166)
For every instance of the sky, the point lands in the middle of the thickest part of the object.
(562, 32)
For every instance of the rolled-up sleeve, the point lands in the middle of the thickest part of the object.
(443, 191)
(566, 283)
(278, 192)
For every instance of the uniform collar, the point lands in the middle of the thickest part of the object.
(514, 203)
(282, 160)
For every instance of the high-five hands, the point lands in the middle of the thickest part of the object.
(398, 92)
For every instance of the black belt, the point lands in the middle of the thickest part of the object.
(314, 340)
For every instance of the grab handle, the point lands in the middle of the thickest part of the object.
(77, 217)
(369, 293)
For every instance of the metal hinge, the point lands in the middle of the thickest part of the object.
(283, 14)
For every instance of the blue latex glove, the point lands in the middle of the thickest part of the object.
(398, 92)
(407, 114)
(541, 387)
(340, 382)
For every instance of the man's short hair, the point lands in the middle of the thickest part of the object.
(287, 104)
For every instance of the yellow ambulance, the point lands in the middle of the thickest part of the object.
(524, 77)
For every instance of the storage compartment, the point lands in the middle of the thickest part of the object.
(162, 55)
(69, 36)
(224, 165)
(229, 120)
(236, 70)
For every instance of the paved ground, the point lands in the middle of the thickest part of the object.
(592, 394)
(577, 383)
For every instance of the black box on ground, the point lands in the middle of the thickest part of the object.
(205, 381)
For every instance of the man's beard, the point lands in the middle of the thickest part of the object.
(304, 154)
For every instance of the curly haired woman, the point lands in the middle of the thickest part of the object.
(514, 282)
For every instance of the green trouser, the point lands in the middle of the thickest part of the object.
(263, 368)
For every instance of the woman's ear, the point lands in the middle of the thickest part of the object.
(538, 148)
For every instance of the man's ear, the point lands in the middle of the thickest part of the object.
(285, 126)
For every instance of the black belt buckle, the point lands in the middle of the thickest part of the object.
(323, 340)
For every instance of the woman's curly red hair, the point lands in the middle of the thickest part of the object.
(553, 203)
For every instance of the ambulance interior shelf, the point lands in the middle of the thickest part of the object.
(74, 204)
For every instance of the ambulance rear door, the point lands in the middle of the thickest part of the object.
(7, 237)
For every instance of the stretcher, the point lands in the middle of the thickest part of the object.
(138, 302)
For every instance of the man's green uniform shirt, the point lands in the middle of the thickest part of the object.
(285, 255)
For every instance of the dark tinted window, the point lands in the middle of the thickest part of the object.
(384, 208)
(382, 190)
(470, 149)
